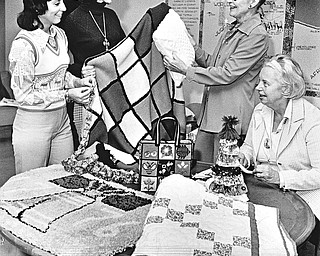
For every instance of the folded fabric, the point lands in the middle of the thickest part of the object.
(185, 220)
(171, 40)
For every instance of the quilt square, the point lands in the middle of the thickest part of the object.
(149, 151)
(142, 31)
(135, 83)
(184, 151)
(149, 168)
(165, 168)
(167, 151)
(133, 128)
(125, 56)
(116, 106)
(149, 183)
(183, 168)
(153, 60)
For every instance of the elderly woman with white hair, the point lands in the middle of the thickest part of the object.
(283, 141)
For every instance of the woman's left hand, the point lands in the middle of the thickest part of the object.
(88, 82)
(267, 173)
(80, 95)
(88, 70)
(175, 64)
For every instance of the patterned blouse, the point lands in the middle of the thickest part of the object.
(38, 64)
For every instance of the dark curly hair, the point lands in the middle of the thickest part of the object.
(28, 18)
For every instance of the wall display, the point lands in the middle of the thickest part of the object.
(306, 45)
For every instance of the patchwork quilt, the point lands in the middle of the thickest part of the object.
(133, 87)
(61, 213)
(185, 220)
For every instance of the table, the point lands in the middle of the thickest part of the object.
(295, 214)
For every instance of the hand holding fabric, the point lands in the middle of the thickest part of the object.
(175, 64)
(88, 70)
(80, 95)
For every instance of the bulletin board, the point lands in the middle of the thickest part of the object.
(306, 45)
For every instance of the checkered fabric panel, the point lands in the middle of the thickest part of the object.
(134, 88)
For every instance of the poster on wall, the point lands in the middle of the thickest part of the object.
(306, 46)
(274, 20)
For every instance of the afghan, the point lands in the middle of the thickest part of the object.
(185, 220)
(54, 212)
(133, 87)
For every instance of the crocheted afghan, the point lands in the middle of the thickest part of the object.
(134, 89)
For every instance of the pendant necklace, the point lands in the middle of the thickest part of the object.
(104, 33)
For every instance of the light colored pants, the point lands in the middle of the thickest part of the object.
(41, 138)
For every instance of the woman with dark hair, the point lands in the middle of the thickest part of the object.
(41, 85)
(230, 75)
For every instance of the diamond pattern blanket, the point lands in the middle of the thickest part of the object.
(134, 89)
(55, 212)
(185, 220)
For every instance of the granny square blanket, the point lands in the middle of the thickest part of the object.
(185, 220)
(61, 213)
(133, 87)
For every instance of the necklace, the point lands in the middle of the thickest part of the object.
(104, 33)
(52, 42)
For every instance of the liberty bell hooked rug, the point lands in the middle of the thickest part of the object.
(60, 213)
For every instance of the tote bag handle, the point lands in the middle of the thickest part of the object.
(177, 129)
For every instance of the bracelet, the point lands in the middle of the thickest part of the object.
(67, 96)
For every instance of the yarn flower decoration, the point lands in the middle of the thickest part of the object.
(228, 130)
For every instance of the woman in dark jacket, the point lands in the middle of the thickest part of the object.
(92, 28)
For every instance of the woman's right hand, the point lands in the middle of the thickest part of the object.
(80, 95)
(243, 160)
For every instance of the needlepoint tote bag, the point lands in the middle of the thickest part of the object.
(160, 158)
